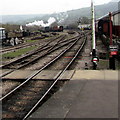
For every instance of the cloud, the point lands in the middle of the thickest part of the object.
(44, 6)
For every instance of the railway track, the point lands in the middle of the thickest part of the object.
(22, 100)
(27, 58)
(36, 55)
(42, 47)
(24, 45)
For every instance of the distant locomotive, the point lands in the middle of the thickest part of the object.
(53, 29)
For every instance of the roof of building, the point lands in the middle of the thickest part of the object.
(107, 15)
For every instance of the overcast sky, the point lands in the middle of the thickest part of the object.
(11, 7)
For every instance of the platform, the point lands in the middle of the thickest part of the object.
(44, 75)
(89, 94)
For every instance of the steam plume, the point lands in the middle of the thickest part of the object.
(41, 23)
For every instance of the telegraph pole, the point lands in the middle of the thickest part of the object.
(94, 57)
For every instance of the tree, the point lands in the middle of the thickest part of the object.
(84, 20)
(73, 25)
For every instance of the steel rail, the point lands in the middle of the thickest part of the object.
(25, 45)
(43, 47)
(33, 75)
(56, 80)
(49, 51)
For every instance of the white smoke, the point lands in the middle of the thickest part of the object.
(62, 16)
(21, 28)
(41, 23)
(50, 21)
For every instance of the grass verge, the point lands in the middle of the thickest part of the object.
(16, 53)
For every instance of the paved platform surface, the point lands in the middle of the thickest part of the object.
(44, 75)
(89, 94)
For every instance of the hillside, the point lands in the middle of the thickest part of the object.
(18, 19)
(64, 17)
(73, 15)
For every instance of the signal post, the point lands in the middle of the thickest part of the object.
(94, 55)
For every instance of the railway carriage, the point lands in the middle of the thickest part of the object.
(85, 27)
(116, 23)
(103, 24)
(104, 27)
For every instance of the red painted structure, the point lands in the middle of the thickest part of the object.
(111, 27)
(103, 24)
(116, 30)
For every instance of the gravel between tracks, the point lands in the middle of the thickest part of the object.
(8, 85)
